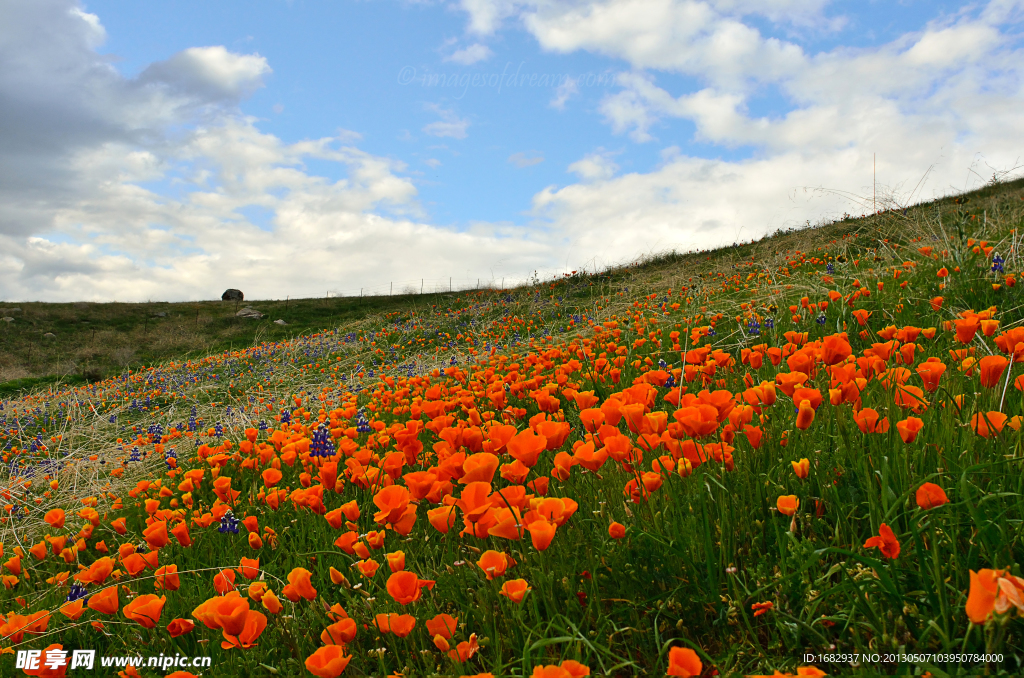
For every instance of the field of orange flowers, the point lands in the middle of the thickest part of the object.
(802, 464)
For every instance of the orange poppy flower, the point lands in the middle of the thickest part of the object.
(936, 303)
(328, 661)
(992, 367)
(988, 424)
(97, 572)
(868, 422)
(271, 602)
(788, 504)
(993, 591)
(567, 669)
(156, 534)
(271, 476)
(405, 587)
(464, 650)
(910, 397)
(616, 530)
(930, 372)
(885, 541)
(134, 563)
(335, 518)
(697, 421)
(399, 624)
(788, 382)
(493, 563)
(299, 585)
(73, 610)
(44, 670)
(119, 525)
(255, 623)
(930, 496)
(180, 532)
(443, 625)
(367, 568)
(38, 551)
(966, 328)
(255, 542)
(479, 467)
(801, 468)
(475, 501)
(590, 458)
(862, 316)
(508, 523)
(805, 415)
(223, 612)
(396, 561)
(682, 661)
(224, 581)
(515, 590)
(249, 567)
(592, 419)
(179, 627)
(257, 590)
(526, 447)
(104, 601)
(442, 518)
(909, 428)
(754, 435)
(515, 472)
(55, 518)
(145, 609)
(542, 531)
(340, 632)
(167, 578)
(392, 502)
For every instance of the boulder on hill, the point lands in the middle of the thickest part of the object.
(248, 312)
(232, 295)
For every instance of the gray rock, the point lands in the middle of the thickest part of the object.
(276, 322)
(49, 335)
(7, 319)
(232, 295)
(160, 315)
(10, 311)
(248, 312)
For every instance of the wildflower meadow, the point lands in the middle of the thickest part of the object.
(798, 456)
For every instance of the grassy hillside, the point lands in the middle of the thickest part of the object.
(798, 452)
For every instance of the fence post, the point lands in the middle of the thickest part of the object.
(421, 285)
(449, 283)
(392, 291)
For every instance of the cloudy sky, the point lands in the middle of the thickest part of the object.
(167, 151)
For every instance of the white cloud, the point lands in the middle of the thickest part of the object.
(450, 124)
(470, 55)
(567, 89)
(432, 162)
(212, 72)
(940, 101)
(77, 139)
(597, 166)
(527, 159)
(486, 15)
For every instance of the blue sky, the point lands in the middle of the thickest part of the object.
(374, 67)
(192, 145)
